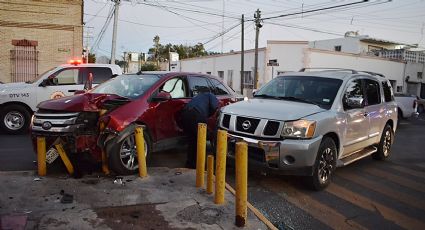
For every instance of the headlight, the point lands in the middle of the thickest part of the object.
(299, 129)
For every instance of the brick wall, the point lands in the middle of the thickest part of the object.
(55, 24)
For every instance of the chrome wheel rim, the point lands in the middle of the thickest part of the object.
(326, 165)
(14, 120)
(128, 153)
(387, 143)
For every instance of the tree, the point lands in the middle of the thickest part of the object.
(92, 58)
(160, 52)
(149, 67)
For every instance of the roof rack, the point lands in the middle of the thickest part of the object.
(373, 73)
(331, 69)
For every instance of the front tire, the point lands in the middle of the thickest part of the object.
(123, 155)
(385, 144)
(324, 166)
(15, 119)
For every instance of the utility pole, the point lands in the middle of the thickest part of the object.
(242, 53)
(258, 25)
(114, 32)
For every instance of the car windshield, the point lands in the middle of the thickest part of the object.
(129, 86)
(313, 90)
(50, 71)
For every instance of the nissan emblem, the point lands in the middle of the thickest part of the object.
(246, 124)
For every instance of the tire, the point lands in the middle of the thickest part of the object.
(324, 166)
(15, 119)
(399, 116)
(421, 109)
(119, 163)
(384, 147)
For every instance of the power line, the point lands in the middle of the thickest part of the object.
(316, 10)
(104, 28)
(221, 34)
(305, 28)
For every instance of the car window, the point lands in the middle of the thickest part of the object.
(100, 74)
(198, 85)
(373, 94)
(175, 87)
(354, 92)
(67, 77)
(218, 88)
(387, 92)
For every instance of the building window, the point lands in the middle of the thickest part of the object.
(230, 78)
(399, 89)
(419, 75)
(337, 48)
(220, 74)
(248, 80)
(24, 60)
(209, 73)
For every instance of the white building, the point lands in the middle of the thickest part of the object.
(361, 53)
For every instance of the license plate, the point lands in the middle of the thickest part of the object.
(51, 155)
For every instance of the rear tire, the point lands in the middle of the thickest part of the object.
(384, 147)
(123, 155)
(15, 119)
(324, 166)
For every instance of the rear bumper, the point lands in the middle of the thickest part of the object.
(287, 157)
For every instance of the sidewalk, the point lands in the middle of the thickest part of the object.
(167, 199)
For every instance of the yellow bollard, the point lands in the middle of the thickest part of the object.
(210, 174)
(41, 156)
(241, 183)
(65, 158)
(220, 170)
(140, 147)
(200, 154)
(105, 167)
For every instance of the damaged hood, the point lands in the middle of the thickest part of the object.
(282, 110)
(82, 102)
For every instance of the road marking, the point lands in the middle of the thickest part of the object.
(317, 210)
(365, 203)
(409, 171)
(402, 197)
(397, 179)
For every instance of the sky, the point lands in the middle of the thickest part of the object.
(203, 21)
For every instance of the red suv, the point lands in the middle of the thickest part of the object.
(152, 99)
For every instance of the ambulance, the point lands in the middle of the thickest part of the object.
(18, 100)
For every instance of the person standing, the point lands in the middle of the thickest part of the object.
(198, 110)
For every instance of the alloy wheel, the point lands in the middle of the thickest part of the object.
(387, 143)
(128, 153)
(326, 165)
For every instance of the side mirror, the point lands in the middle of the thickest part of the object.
(162, 96)
(254, 91)
(353, 102)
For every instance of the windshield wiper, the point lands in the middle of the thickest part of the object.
(265, 96)
(299, 100)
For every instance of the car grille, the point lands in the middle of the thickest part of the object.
(54, 122)
(271, 128)
(246, 124)
(226, 121)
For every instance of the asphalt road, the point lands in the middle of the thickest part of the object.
(367, 194)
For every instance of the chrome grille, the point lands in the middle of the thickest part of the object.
(246, 124)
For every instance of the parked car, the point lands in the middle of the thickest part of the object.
(421, 105)
(407, 105)
(308, 123)
(18, 100)
(152, 99)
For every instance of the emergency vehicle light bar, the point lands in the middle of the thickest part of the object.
(75, 62)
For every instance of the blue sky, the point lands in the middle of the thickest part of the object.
(193, 21)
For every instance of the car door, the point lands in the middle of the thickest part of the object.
(62, 83)
(357, 124)
(167, 113)
(374, 110)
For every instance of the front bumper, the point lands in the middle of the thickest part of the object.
(287, 157)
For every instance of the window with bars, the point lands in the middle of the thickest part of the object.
(24, 60)
(248, 80)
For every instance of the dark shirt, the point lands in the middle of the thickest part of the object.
(205, 103)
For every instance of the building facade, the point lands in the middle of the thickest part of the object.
(37, 35)
(364, 53)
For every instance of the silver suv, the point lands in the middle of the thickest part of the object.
(309, 123)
